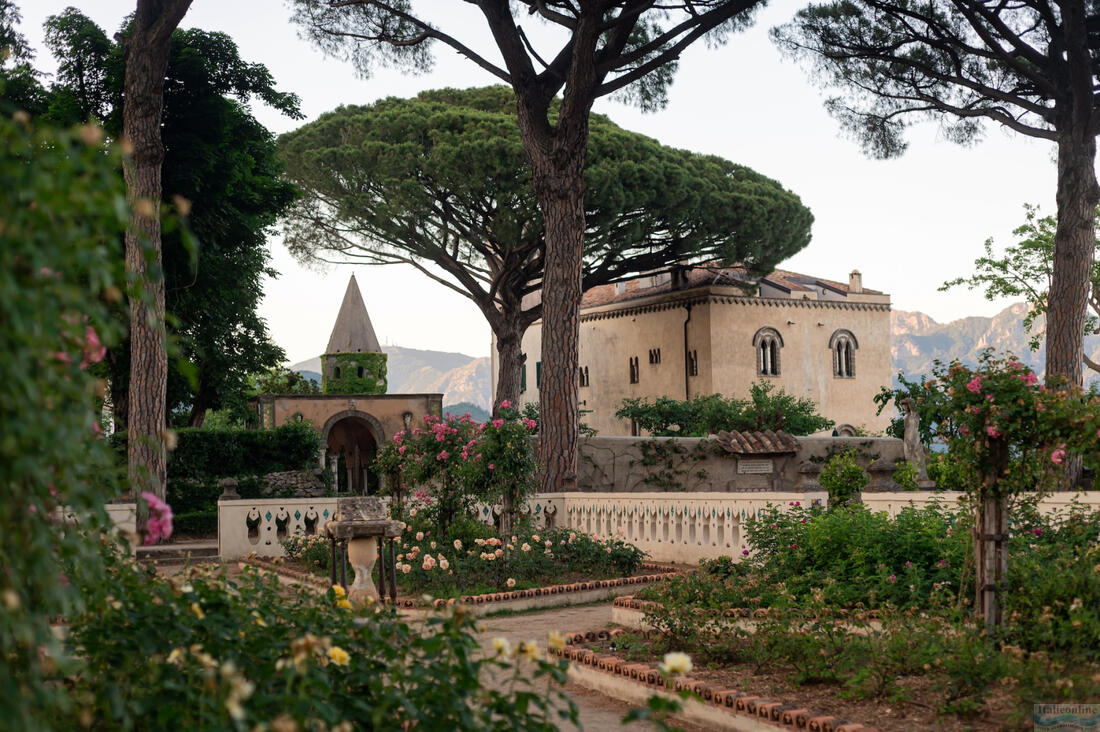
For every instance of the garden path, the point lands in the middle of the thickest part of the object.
(596, 711)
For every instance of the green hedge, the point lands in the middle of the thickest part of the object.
(203, 457)
(207, 455)
(196, 523)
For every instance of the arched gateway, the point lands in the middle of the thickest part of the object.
(351, 439)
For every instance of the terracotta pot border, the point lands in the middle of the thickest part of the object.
(732, 701)
(662, 571)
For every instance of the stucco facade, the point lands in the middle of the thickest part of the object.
(700, 332)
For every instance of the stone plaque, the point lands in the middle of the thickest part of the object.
(754, 467)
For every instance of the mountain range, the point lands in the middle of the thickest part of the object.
(460, 378)
(918, 340)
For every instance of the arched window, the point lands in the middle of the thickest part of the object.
(843, 345)
(336, 372)
(768, 344)
(360, 372)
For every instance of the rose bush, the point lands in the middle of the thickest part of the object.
(458, 462)
(206, 651)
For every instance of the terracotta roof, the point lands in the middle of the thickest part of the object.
(757, 443)
(703, 275)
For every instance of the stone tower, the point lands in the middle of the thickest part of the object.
(353, 362)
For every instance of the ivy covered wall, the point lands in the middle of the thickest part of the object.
(353, 373)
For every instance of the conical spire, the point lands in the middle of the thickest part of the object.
(353, 332)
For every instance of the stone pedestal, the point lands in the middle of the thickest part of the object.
(362, 522)
(362, 554)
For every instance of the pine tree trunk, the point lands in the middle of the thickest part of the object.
(563, 213)
(1074, 245)
(147, 49)
(510, 366)
(557, 154)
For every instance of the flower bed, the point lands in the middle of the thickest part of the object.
(470, 561)
(874, 610)
(536, 597)
(591, 655)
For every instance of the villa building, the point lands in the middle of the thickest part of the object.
(706, 330)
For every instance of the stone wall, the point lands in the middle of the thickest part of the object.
(296, 483)
(691, 464)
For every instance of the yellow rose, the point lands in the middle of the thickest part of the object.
(676, 664)
(502, 646)
(339, 656)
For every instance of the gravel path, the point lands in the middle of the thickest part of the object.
(597, 712)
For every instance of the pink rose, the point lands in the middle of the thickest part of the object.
(505, 404)
(94, 350)
(443, 455)
(498, 423)
(1058, 457)
(531, 424)
(975, 384)
(992, 431)
(159, 524)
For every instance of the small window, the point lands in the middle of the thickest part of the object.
(655, 355)
(523, 378)
(360, 372)
(634, 370)
(582, 375)
(538, 374)
(767, 343)
(336, 372)
(843, 345)
(693, 363)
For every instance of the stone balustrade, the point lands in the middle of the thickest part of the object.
(893, 502)
(672, 527)
(261, 525)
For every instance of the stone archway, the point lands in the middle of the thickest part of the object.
(351, 439)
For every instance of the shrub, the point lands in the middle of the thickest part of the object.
(63, 212)
(906, 475)
(457, 461)
(315, 551)
(843, 477)
(204, 651)
(766, 409)
(204, 456)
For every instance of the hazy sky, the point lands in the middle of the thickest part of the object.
(906, 224)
